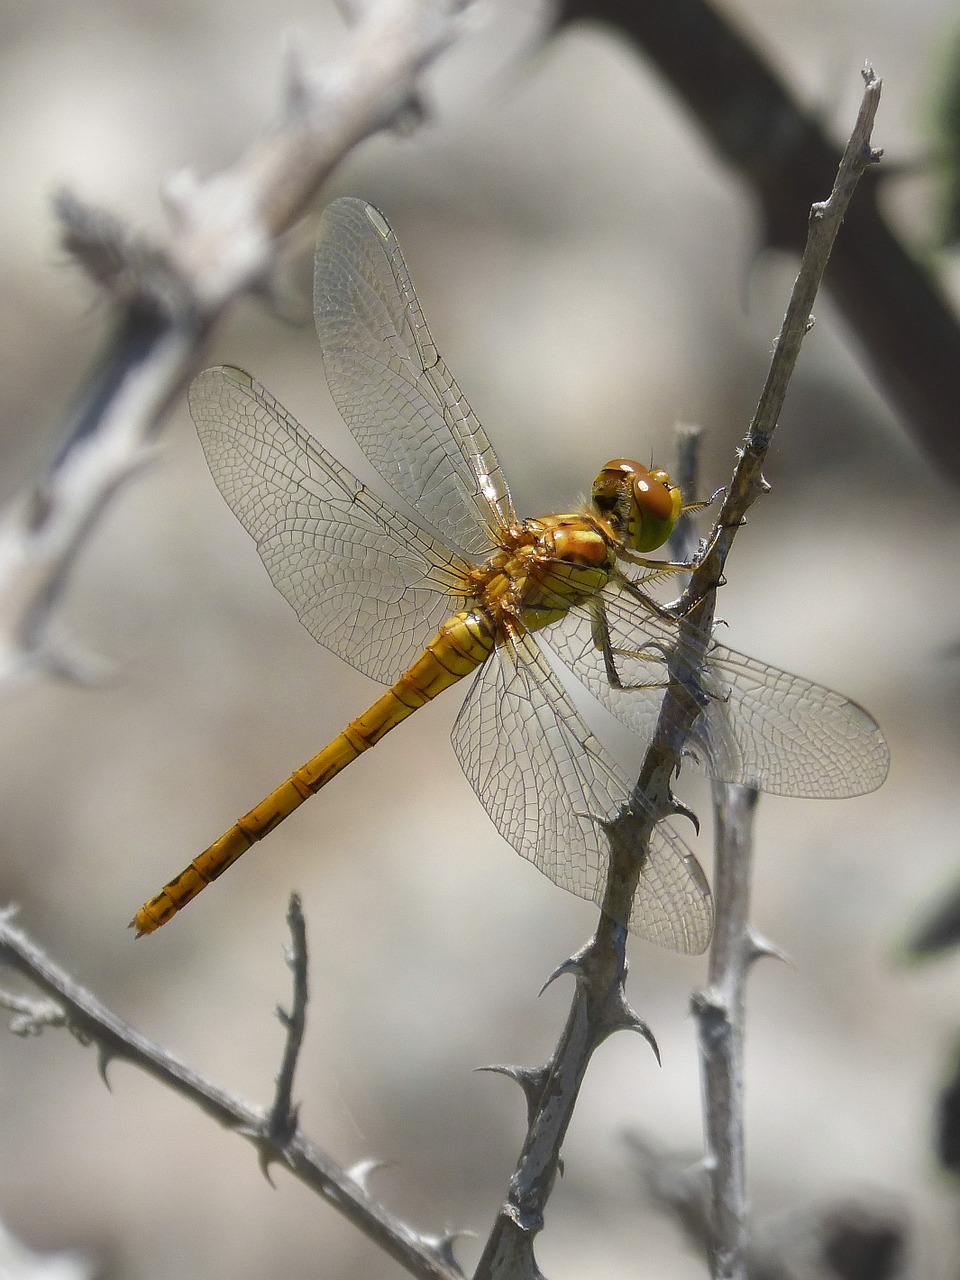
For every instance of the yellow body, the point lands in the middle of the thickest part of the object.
(542, 568)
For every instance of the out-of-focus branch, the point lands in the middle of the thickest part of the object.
(91, 1022)
(907, 331)
(866, 1238)
(167, 297)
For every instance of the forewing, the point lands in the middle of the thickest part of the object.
(540, 775)
(760, 725)
(364, 581)
(391, 386)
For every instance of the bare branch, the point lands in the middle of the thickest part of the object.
(282, 1123)
(168, 297)
(91, 1021)
(748, 483)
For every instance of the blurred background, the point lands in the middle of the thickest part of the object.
(593, 276)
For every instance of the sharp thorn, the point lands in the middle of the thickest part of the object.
(619, 1016)
(759, 947)
(573, 964)
(442, 1246)
(363, 1171)
(682, 811)
(265, 1158)
(532, 1080)
(104, 1058)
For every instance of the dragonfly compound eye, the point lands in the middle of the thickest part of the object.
(641, 504)
(656, 505)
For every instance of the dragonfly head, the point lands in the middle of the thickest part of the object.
(641, 505)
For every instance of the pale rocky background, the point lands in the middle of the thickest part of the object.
(592, 276)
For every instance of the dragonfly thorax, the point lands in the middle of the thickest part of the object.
(641, 505)
(542, 569)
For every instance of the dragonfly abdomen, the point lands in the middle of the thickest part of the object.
(461, 645)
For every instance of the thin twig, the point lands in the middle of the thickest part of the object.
(282, 1123)
(424, 1257)
(720, 1008)
(825, 220)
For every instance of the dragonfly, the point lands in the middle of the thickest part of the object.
(448, 582)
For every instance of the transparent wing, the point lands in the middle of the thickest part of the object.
(364, 581)
(786, 735)
(540, 775)
(759, 725)
(391, 386)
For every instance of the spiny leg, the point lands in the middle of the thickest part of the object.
(600, 629)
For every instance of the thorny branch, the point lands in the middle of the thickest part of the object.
(720, 1008)
(283, 1115)
(599, 1004)
(168, 297)
(91, 1022)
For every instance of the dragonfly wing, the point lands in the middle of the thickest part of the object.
(541, 776)
(391, 386)
(784, 734)
(760, 725)
(364, 581)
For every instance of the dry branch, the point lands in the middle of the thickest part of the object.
(74, 1006)
(168, 297)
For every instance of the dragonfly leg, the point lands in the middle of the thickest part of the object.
(660, 568)
(666, 613)
(689, 508)
(601, 638)
(635, 589)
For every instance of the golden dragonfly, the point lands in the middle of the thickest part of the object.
(468, 587)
